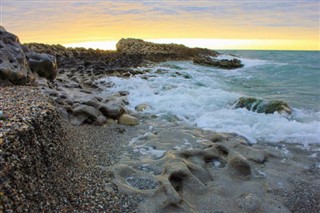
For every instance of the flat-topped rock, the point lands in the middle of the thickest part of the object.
(160, 52)
(222, 63)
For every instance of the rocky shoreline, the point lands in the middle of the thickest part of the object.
(67, 145)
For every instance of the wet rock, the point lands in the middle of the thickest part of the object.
(126, 119)
(112, 109)
(223, 63)
(239, 166)
(142, 107)
(43, 64)
(14, 66)
(277, 106)
(260, 106)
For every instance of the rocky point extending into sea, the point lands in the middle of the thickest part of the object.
(65, 140)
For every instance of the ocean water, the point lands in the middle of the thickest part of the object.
(204, 96)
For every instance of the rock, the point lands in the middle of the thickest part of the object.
(126, 119)
(249, 103)
(249, 203)
(84, 113)
(14, 67)
(223, 63)
(101, 120)
(112, 109)
(160, 52)
(239, 166)
(277, 106)
(142, 107)
(42, 82)
(43, 64)
(260, 106)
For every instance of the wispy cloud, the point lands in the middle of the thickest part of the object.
(68, 20)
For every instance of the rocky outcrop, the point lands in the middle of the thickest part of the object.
(223, 63)
(261, 106)
(160, 52)
(33, 151)
(18, 65)
(14, 66)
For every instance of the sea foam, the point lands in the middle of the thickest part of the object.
(205, 101)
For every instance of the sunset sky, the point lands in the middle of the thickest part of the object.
(242, 24)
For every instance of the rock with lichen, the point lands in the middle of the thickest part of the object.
(261, 106)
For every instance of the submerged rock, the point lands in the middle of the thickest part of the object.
(142, 107)
(260, 106)
(223, 63)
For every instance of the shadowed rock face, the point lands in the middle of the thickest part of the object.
(160, 52)
(14, 67)
(43, 64)
(18, 64)
(260, 106)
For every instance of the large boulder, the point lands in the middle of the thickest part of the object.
(112, 109)
(260, 106)
(43, 64)
(14, 66)
(84, 113)
(223, 63)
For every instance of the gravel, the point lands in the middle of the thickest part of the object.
(51, 166)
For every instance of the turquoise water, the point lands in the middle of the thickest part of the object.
(204, 96)
(292, 76)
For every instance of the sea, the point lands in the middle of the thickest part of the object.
(204, 97)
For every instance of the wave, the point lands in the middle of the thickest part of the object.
(204, 101)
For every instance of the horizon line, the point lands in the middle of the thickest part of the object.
(212, 43)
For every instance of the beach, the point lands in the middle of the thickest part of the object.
(151, 129)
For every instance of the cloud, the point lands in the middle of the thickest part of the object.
(66, 20)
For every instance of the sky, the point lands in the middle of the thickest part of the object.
(216, 24)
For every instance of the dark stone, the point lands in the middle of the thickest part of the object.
(14, 67)
(43, 64)
(223, 63)
(260, 106)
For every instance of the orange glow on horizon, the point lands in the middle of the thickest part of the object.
(218, 44)
(284, 25)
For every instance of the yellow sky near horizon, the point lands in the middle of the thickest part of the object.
(278, 25)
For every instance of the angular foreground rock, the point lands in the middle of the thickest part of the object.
(260, 106)
(223, 63)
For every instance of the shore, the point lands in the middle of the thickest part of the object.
(98, 168)
(68, 144)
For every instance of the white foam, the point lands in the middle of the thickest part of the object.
(204, 101)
